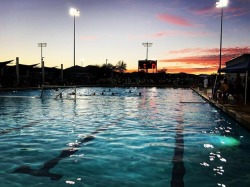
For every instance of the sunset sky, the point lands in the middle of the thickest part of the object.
(185, 33)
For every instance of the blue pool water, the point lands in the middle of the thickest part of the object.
(165, 137)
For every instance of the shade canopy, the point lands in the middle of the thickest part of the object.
(240, 64)
(237, 68)
(3, 64)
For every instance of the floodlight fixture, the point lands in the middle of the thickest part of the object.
(147, 45)
(42, 44)
(74, 12)
(222, 3)
(42, 62)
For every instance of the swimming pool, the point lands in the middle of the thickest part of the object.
(165, 137)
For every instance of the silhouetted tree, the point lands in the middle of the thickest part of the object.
(121, 67)
(107, 69)
(163, 70)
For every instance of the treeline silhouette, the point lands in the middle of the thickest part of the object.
(91, 75)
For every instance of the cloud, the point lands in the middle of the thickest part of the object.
(207, 59)
(191, 70)
(208, 11)
(236, 12)
(175, 20)
(88, 38)
(215, 12)
(229, 51)
(172, 33)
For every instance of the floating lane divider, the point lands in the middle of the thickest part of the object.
(179, 170)
(44, 87)
(44, 171)
(6, 131)
(19, 96)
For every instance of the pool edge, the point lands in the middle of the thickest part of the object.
(230, 110)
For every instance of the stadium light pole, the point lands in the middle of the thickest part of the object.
(42, 62)
(147, 45)
(221, 4)
(74, 12)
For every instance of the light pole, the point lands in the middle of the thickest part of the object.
(147, 45)
(74, 12)
(221, 4)
(82, 59)
(42, 62)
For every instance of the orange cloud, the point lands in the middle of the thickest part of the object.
(184, 70)
(176, 20)
(198, 60)
(207, 60)
(191, 70)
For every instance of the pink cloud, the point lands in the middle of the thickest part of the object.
(176, 20)
(88, 37)
(213, 11)
(159, 34)
(236, 12)
(171, 33)
(204, 11)
(212, 51)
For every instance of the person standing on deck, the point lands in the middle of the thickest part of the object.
(205, 81)
(238, 87)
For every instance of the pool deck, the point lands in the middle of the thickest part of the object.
(239, 112)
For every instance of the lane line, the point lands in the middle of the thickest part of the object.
(6, 131)
(44, 171)
(178, 170)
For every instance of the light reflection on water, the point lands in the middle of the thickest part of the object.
(133, 139)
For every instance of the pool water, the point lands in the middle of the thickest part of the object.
(165, 137)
